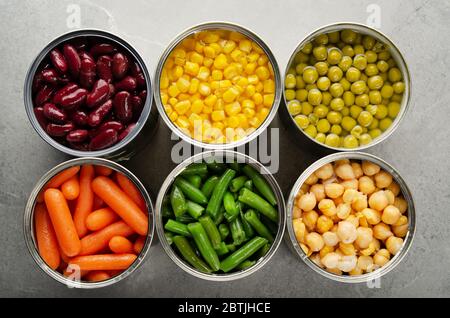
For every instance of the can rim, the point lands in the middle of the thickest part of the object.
(36, 62)
(226, 26)
(408, 239)
(28, 223)
(240, 158)
(402, 65)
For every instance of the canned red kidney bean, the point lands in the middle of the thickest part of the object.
(88, 93)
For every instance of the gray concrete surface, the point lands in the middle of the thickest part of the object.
(419, 149)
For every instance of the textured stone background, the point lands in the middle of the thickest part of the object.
(419, 149)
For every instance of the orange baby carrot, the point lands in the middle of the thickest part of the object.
(97, 241)
(121, 245)
(62, 177)
(85, 200)
(131, 190)
(121, 203)
(71, 188)
(100, 218)
(103, 171)
(97, 276)
(46, 237)
(139, 244)
(64, 257)
(98, 203)
(62, 222)
(103, 262)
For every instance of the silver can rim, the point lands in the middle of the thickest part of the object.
(29, 104)
(226, 26)
(399, 58)
(281, 212)
(408, 240)
(28, 223)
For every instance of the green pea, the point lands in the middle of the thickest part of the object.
(334, 117)
(301, 58)
(365, 139)
(302, 121)
(383, 66)
(311, 131)
(385, 123)
(349, 98)
(332, 140)
(348, 36)
(345, 63)
(357, 131)
(382, 111)
(290, 81)
(360, 61)
(371, 70)
(323, 83)
(302, 95)
(362, 100)
(397, 98)
(307, 108)
(337, 104)
(313, 119)
(321, 39)
(372, 109)
(307, 48)
(374, 133)
(374, 124)
(334, 56)
(310, 75)
(299, 82)
(375, 97)
(320, 53)
(335, 74)
(321, 111)
(358, 87)
(350, 142)
(289, 94)
(399, 87)
(393, 109)
(345, 111)
(387, 91)
(384, 55)
(368, 42)
(353, 74)
(359, 49)
(326, 98)
(355, 111)
(294, 107)
(336, 90)
(365, 118)
(320, 137)
(348, 51)
(333, 37)
(348, 123)
(314, 97)
(300, 68)
(322, 68)
(336, 129)
(371, 56)
(323, 126)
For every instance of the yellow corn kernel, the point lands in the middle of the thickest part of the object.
(245, 45)
(243, 121)
(219, 125)
(250, 68)
(263, 60)
(164, 98)
(168, 109)
(233, 108)
(199, 47)
(173, 101)
(255, 122)
(204, 89)
(192, 68)
(195, 96)
(269, 86)
(183, 84)
(219, 105)
(262, 114)
(230, 94)
(193, 87)
(237, 55)
(173, 116)
(253, 58)
(236, 36)
(195, 119)
(220, 61)
(207, 109)
(184, 96)
(258, 98)
(177, 72)
(179, 61)
(259, 87)
(217, 48)
(248, 103)
(196, 58)
(249, 113)
(215, 85)
(225, 84)
(183, 122)
(197, 106)
(230, 71)
(203, 73)
(182, 107)
(268, 100)
(189, 44)
(253, 79)
(250, 90)
(218, 115)
(173, 90)
(209, 52)
(263, 73)
(211, 37)
(217, 75)
(179, 52)
(208, 62)
(210, 100)
(233, 121)
(229, 46)
(164, 80)
(242, 82)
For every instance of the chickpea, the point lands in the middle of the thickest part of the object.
(331, 260)
(370, 249)
(394, 244)
(360, 203)
(357, 170)
(370, 168)
(334, 228)
(378, 201)
(380, 259)
(307, 202)
(394, 187)
(319, 191)
(402, 221)
(299, 230)
(382, 231)
(350, 184)
(314, 241)
(383, 179)
(304, 188)
(347, 263)
(372, 216)
(365, 263)
(305, 249)
(400, 230)
(333, 179)
(401, 204)
(353, 219)
(296, 212)
(390, 215)
(324, 224)
(338, 201)
(312, 179)
(310, 219)
(325, 172)
(343, 210)
(346, 232)
(356, 271)
(335, 271)
(334, 190)
(327, 207)
(364, 237)
(325, 250)
(341, 162)
(362, 220)
(366, 185)
(350, 195)
(345, 172)
(390, 196)
(330, 239)
(347, 249)
(316, 260)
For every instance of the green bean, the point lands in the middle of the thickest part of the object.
(209, 185)
(169, 237)
(178, 201)
(259, 227)
(235, 166)
(195, 169)
(263, 251)
(166, 209)
(220, 216)
(224, 231)
(237, 232)
(195, 180)
(237, 183)
(230, 205)
(185, 218)
(177, 227)
(247, 227)
(222, 249)
(204, 245)
(256, 202)
(216, 167)
(249, 184)
(261, 184)
(231, 247)
(218, 193)
(190, 191)
(211, 230)
(194, 209)
(245, 265)
(242, 254)
(189, 255)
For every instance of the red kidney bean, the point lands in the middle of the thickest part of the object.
(37, 82)
(50, 76)
(56, 130)
(86, 56)
(112, 124)
(69, 88)
(137, 104)
(87, 73)
(104, 140)
(112, 90)
(54, 114)
(120, 65)
(135, 69)
(73, 60)
(102, 49)
(44, 95)
(99, 94)
(97, 116)
(143, 95)
(80, 118)
(126, 132)
(140, 80)
(59, 61)
(104, 70)
(74, 99)
(128, 84)
(39, 113)
(77, 136)
(122, 107)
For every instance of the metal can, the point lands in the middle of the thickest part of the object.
(295, 246)
(29, 233)
(305, 139)
(220, 156)
(218, 26)
(145, 126)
